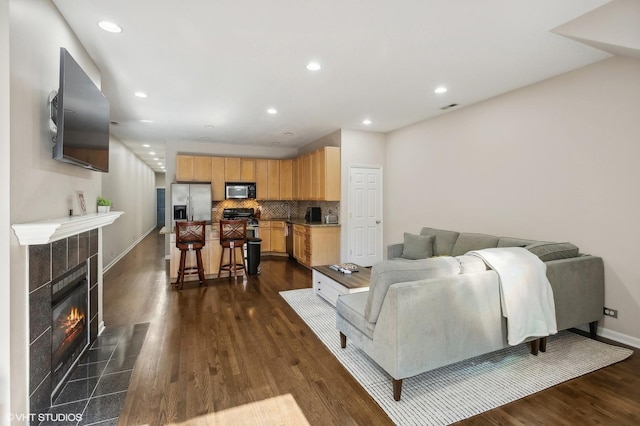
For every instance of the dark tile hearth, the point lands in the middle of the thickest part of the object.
(96, 389)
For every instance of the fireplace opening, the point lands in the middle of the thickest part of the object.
(69, 323)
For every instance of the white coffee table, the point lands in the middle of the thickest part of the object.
(330, 284)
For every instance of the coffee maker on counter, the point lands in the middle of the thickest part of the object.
(313, 214)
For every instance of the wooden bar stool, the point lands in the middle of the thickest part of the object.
(233, 236)
(190, 236)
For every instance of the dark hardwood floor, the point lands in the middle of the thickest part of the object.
(235, 353)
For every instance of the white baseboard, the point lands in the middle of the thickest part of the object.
(615, 336)
(124, 253)
(101, 327)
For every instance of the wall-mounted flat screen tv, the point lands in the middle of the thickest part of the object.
(80, 113)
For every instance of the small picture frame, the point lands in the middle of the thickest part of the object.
(83, 206)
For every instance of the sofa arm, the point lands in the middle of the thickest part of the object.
(394, 250)
(426, 324)
(578, 290)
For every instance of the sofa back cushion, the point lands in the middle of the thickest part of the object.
(514, 242)
(553, 251)
(468, 241)
(388, 272)
(444, 240)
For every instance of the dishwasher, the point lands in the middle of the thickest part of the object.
(289, 239)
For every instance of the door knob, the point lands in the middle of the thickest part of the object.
(378, 222)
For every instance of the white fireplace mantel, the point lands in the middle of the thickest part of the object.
(47, 231)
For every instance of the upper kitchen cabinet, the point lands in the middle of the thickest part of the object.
(191, 168)
(232, 169)
(326, 171)
(286, 179)
(247, 170)
(318, 175)
(262, 179)
(217, 178)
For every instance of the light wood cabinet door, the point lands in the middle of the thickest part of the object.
(202, 169)
(300, 244)
(295, 179)
(273, 179)
(247, 170)
(332, 174)
(278, 241)
(264, 232)
(262, 179)
(286, 180)
(184, 168)
(317, 175)
(232, 169)
(305, 177)
(217, 178)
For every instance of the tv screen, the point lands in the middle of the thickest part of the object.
(81, 115)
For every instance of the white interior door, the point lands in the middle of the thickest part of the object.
(365, 215)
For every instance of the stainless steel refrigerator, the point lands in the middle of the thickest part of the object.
(191, 202)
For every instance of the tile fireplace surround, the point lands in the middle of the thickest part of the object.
(55, 247)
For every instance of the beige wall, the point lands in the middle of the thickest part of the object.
(5, 222)
(553, 161)
(131, 187)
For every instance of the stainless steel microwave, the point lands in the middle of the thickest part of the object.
(239, 190)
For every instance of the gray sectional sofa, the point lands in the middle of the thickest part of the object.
(432, 305)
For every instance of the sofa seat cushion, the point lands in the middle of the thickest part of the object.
(443, 242)
(467, 242)
(553, 251)
(351, 308)
(417, 246)
(388, 272)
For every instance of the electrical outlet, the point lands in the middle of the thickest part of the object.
(611, 312)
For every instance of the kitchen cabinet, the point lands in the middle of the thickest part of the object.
(264, 233)
(273, 183)
(232, 169)
(193, 168)
(217, 178)
(278, 241)
(247, 170)
(271, 232)
(262, 179)
(295, 180)
(305, 176)
(316, 245)
(286, 180)
(210, 256)
(326, 174)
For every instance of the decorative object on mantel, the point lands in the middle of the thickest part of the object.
(104, 205)
(83, 206)
(47, 231)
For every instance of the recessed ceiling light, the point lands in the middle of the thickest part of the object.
(141, 95)
(272, 111)
(159, 164)
(366, 121)
(146, 121)
(152, 153)
(313, 66)
(146, 145)
(288, 133)
(440, 89)
(110, 27)
(156, 159)
(209, 126)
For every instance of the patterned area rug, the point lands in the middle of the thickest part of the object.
(464, 389)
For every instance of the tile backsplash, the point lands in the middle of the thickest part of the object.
(276, 209)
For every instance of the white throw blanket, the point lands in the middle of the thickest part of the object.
(525, 292)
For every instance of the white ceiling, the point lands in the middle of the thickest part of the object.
(223, 63)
